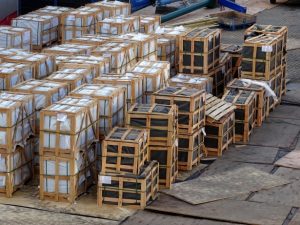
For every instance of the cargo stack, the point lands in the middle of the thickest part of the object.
(15, 37)
(17, 130)
(127, 177)
(161, 122)
(68, 136)
(191, 122)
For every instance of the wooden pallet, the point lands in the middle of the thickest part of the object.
(190, 103)
(245, 112)
(219, 125)
(199, 50)
(148, 24)
(159, 120)
(15, 37)
(262, 57)
(127, 189)
(125, 150)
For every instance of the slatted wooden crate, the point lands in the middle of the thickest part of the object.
(262, 98)
(166, 50)
(118, 25)
(63, 179)
(146, 44)
(122, 55)
(190, 150)
(15, 37)
(190, 103)
(44, 64)
(45, 93)
(148, 24)
(159, 120)
(245, 112)
(112, 104)
(219, 125)
(262, 57)
(15, 169)
(235, 51)
(68, 126)
(199, 50)
(90, 39)
(12, 74)
(127, 189)
(44, 28)
(132, 82)
(191, 81)
(70, 49)
(125, 150)
(100, 64)
(79, 22)
(276, 85)
(74, 77)
(112, 8)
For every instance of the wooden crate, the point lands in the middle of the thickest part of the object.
(44, 28)
(132, 82)
(44, 64)
(112, 8)
(159, 120)
(219, 125)
(166, 50)
(45, 93)
(262, 98)
(68, 126)
(112, 104)
(199, 50)
(12, 74)
(100, 64)
(235, 51)
(276, 85)
(190, 104)
(245, 112)
(190, 81)
(15, 37)
(90, 39)
(122, 55)
(284, 80)
(148, 24)
(262, 57)
(118, 25)
(146, 44)
(125, 150)
(127, 189)
(190, 150)
(16, 169)
(70, 49)
(79, 22)
(74, 77)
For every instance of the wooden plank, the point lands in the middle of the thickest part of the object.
(225, 210)
(291, 160)
(225, 112)
(225, 185)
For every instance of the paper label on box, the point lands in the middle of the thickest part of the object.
(61, 117)
(267, 48)
(105, 179)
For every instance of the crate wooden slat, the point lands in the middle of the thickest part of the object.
(112, 8)
(70, 49)
(262, 57)
(132, 82)
(15, 37)
(190, 103)
(219, 125)
(44, 28)
(125, 150)
(262, 99)
(199, 50)
(112, 104)
(245, 112)
(235, 51)
(148, 24)
(128, 189)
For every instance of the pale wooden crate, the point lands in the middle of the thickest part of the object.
(15, 37)
(112, 8)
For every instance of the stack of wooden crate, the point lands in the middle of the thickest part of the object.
(15, 37)
(68, 133)
(127, 177)
(245, 112)
(219, 125)
(161, 122)
(191, 121)
(17, 126)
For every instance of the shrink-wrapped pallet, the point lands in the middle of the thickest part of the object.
(15, 37)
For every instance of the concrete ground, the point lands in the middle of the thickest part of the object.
(278, 136)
